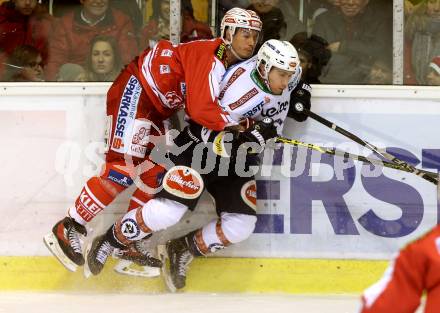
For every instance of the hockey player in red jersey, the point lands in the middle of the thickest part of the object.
(416, 270)
(149, 90)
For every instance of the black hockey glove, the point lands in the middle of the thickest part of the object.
(257, 135)
(300, 99)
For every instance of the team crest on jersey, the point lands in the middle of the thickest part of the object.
(249, 194)
(164, 69)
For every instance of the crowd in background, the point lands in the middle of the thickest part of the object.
(339, 41)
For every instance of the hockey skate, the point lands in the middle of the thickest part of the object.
(65, 242)
(137, 261)
(179, 258)
(97, 253)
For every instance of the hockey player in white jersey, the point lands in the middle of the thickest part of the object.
(262, 94)
(256, 91)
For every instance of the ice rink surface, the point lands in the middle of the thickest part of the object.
(175, 303)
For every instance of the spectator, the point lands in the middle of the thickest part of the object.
(25, 64)
(23, 22)
(318, 7)
(422, 40)
(433, 76)
(358, 34)
(274, 24)
(293, 24)
(75, 30)
(159, 25)
(70, 72)
(104, 60)
(313, 54)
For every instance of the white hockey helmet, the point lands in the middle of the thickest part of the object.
(239, 18)
(281, 54)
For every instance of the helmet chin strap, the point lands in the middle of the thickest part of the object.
(235, 53)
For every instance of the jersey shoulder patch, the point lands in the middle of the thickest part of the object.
(220, 53)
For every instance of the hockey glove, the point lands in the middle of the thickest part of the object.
(300, 99)
(258, 134)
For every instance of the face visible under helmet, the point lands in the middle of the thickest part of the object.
(239, 18)
(277, 53)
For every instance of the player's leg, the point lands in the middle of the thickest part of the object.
(123, 99)
(181, 187)
(65, 239)
(136, 251)
(236, 222)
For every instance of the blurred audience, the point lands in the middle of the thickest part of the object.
(75, 30)
(358, 34)
(433, 76)
(23, 22)
(25, 64)
(104, 60)
(422, 40)
(159, 25)
(274, 23)
(313, 54)
(70, 72)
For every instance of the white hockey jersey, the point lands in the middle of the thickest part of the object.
(242, 94)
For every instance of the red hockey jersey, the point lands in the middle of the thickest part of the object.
(187, 75)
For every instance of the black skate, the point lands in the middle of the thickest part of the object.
(96, 255)
(65, 243)
(180, 257)
(136, 260)
(137, 254)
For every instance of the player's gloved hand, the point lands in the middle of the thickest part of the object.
(300, 99)
(258, 134)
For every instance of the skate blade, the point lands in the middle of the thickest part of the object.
(126, 267)
(162, 253)
(52, 244)
(87, 272)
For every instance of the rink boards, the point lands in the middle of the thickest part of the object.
(315, 232)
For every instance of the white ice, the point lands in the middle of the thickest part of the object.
(174, 303)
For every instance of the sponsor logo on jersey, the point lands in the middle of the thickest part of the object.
(232, 79)
(254, 110)
(245, 98)
(306, 87)
(183, 89)
(166, 53)
(119, 178)
(220, 52)
(164, 69)
(249, 194)
(271, 112)
(127, 113)
(130, 228)
(183, 182)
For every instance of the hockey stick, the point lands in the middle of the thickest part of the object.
(347, 155)
(408, 168)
